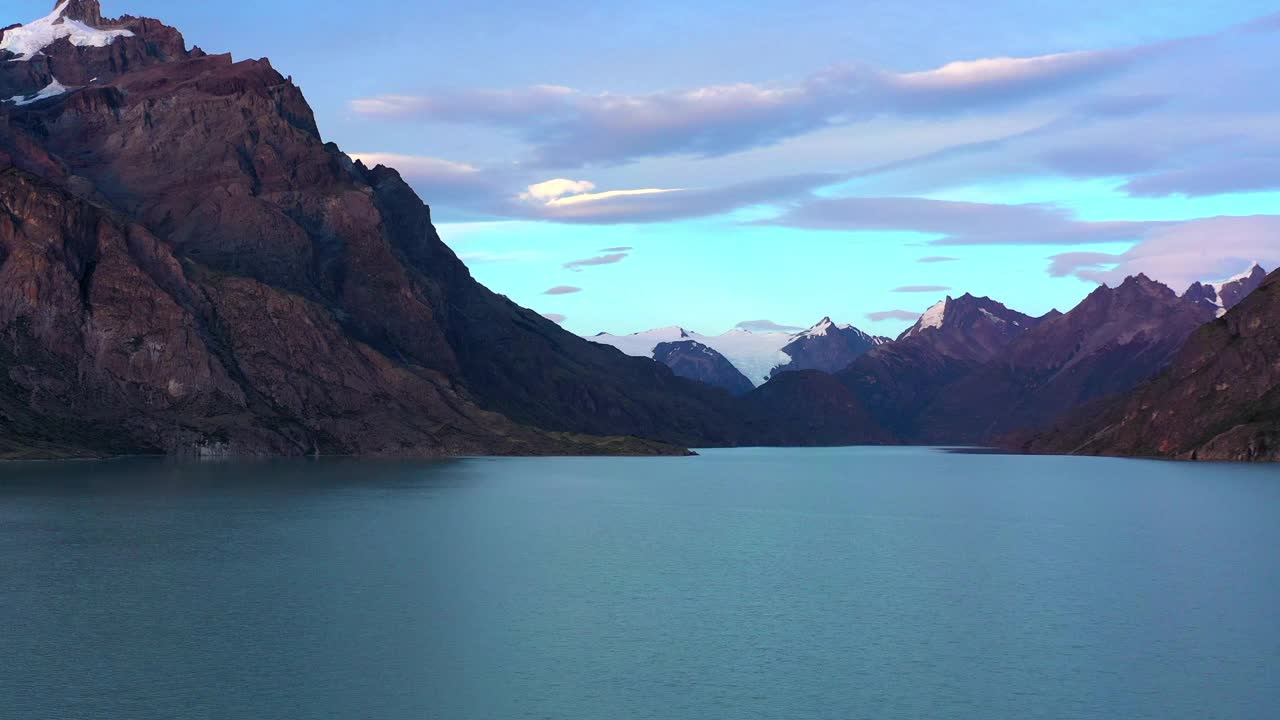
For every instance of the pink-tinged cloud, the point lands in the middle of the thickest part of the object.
(893, 315)
(599, 260)
(563, 290)
(555, 317)
(617, 207)
(573, 128)
(958, 223)
(1206, 249)
(767, 326)
(1233, 175)
(921, 289)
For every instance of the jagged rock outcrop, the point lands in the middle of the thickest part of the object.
(1219, 400)
(1222, 296)
(186, 267)
(691, 359)
(1113, 340)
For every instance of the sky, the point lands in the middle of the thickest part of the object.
(620, 166)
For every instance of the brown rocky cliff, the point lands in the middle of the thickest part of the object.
(188, 267)
(1217, 401)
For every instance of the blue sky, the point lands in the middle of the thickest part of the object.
(786, 161)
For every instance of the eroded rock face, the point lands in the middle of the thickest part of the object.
(186, 267)
(1220, 399)
(1115, 339)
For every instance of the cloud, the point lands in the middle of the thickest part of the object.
(418, 165)
(662, 205)
(937, 259)
(921, 289)
(1211, 178)
(1179, 254)
(957, 223)
(488, 193)
(893, 315)
(563, 290)
(550, 190)
(624, 248)
(572, 128)
(600, 260)
(555, 318)
(767, 326)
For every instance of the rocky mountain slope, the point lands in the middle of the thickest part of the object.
(1109, 343)
(186, 267)
(827, 347)
(1219, 400)
(693, 360)
(1222, 296)
(899, 381)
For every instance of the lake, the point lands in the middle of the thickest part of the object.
(876, 583)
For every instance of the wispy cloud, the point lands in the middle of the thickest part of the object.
(624, 248)
(767, 326)
(563, 290)
(892, 315)
(958, 223)
(937, 259)
(599, 260)
(571, 128)
(667, 204)
(555, 318)
(1183, 253)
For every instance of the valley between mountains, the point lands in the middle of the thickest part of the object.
(188, 268)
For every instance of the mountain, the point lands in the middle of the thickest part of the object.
(969, 328)
(827, 347)
(1219, 400)
(1109, 343)
(755, 355)
(810, 408)
(187, 267)
(1222, 296)
(899, 381)
(691, 359)
(760, 356)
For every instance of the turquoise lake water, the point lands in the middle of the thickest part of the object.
(785, 584)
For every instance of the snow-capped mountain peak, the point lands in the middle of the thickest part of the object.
(1225, 294)
(932, 318)
(822, 328)
(27, 41)
(760, 355)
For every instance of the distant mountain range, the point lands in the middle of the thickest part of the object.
(970, 370)
(826, 346)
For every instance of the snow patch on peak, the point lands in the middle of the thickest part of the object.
(53, 89)
(993, 316)
(754, 354)
(822, 328)
(27, 41)
(1246, 275)
(934, 316)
